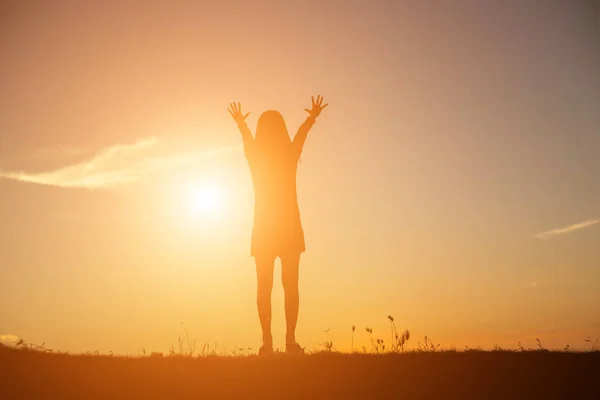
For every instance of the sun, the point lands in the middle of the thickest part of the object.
(203, 200)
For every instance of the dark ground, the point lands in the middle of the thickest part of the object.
(482, 375)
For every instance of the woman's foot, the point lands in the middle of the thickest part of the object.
(265, 351)
(294, 349)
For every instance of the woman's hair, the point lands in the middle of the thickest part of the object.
(271, 134)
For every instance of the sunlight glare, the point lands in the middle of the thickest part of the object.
(204, 201)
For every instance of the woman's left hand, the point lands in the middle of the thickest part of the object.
(317, 106)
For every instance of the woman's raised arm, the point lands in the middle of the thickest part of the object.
(236, 113)
(313, 113)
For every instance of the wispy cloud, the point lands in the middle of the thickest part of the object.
(567, 229)
(117, 165)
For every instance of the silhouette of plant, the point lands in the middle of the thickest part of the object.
(402, 340)
(473, 350)
(398, 343)
(595, 345)
(352, 341)
(370, 332)
(23, 345)
(238, 351)
(380, 346)
(376, 343)
(185, 348)
(427, 346)
(328, 343)
(539, 344)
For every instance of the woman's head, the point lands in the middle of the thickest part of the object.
(271, 132)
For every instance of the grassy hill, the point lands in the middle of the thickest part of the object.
(32, 374)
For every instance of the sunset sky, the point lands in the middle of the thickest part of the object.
(453, 181)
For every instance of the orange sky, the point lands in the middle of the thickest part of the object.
(451, 182)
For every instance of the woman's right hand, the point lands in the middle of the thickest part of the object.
(317, 107)
(236, 112)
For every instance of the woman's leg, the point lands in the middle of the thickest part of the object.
(289, 276)
(264, 273)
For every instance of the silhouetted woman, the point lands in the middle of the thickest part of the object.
(277, 232)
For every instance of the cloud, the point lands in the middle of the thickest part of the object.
(117, 165)
(9, 339)
(567, 229)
